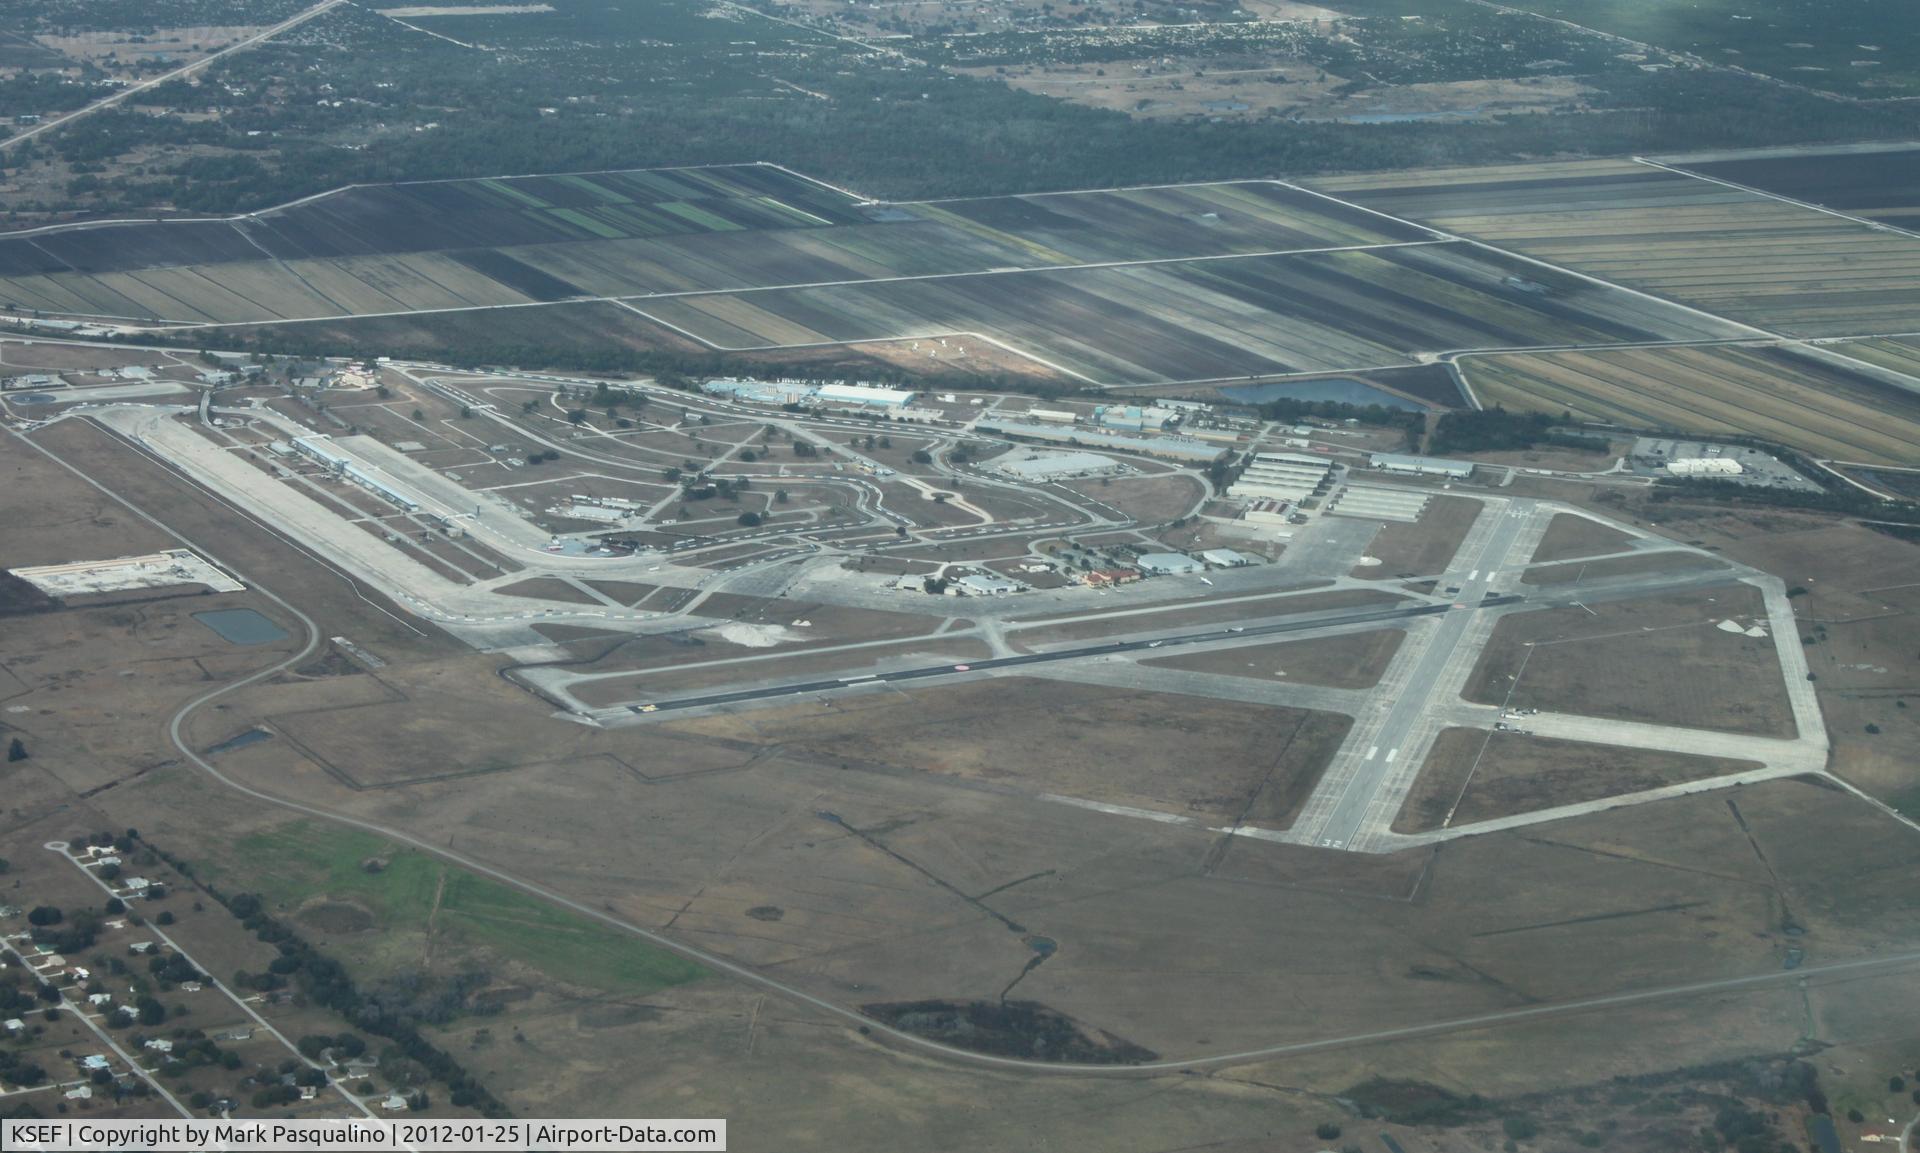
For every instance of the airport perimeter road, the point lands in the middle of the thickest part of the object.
(1337, 812)
(1105, 648)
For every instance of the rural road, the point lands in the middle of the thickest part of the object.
(177, 73)
(176, 726)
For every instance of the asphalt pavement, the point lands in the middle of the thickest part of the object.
(1080, 652)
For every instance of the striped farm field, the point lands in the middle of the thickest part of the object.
(1897, 355)
(1783, 267)
(1813, 401)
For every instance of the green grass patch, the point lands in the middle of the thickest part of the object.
(297, 862)
(596, 191)
(700, 216)
(789, 212)
(587, 223)
(560, 943)
(512, 193)
(307, 859)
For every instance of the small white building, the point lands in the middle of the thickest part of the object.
(160, 1045)
(16, 1025)
(99, 998)
(94, 1061)
(80, 1093)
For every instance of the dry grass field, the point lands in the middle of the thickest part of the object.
(1861, 610)
(1238, 761)
(1424, 547)
(1347, 661)
(1041, 635)
(1657, 562)
(1570, 535)
(1473, 775)
(1825, 409)
(1657, 660)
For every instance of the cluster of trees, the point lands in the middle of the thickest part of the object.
(1497, 430)
(394, 1012)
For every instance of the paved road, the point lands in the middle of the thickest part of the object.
(1105, 648)
(1338, 811)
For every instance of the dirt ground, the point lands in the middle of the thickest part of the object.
(1348, 661)
(1570, 535)
(1424, 547)
(1476, 775)
(1658, 660)
(1258, 85)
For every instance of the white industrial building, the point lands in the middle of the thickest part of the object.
(1282, 476)
(1266, 511)
(1421, 465)
(1227, 558)
(987, 585)
(1396, 504)
(1133, 418)
(1705, 466)
(1040, 467)
(866, 396)
(1051, 415)
(1168, 564)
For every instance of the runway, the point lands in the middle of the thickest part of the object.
(1081, 652)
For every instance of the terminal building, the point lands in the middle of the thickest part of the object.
(1041, 467)
(1290, 477)
(1169, 447)
(862, 396)
(1421, 465)
(319, 448)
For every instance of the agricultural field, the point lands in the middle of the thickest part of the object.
(399, 248)
(1813, 402)
(1881, 185)
(1736, 254)
(1193, 282)
(1207, 319)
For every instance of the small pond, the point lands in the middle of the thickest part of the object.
(242, 626)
